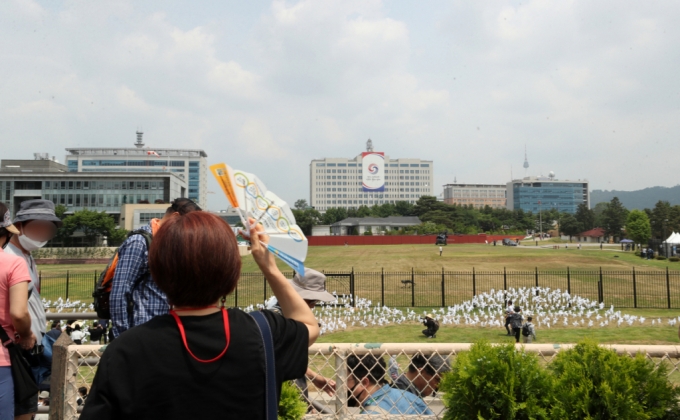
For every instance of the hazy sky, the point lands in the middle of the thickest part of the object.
(591, 88)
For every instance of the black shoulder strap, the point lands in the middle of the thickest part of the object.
(271, 408)
(3, 335)
(146, 235)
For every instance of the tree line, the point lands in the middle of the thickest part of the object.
(435, 216)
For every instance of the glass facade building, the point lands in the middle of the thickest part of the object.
(189, 165)
(540, 193)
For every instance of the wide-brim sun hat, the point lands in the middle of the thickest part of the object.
(37, 210)
(312, 286)
(6, 222)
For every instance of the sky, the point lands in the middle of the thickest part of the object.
(591, 89)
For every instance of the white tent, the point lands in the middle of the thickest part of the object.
(674, 239)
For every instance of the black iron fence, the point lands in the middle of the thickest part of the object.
(624, 288)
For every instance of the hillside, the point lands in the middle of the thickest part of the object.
(639, 199)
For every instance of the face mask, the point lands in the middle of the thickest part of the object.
(30, 244)
(352, 401)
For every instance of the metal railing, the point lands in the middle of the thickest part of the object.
(75, 366)
(622, 288)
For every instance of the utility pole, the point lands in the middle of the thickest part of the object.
(540, 219)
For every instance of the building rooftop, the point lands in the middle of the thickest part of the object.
(592, 233)
(142, 152)
(34, 165)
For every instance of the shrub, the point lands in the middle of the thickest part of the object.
(660, 257)
(291, 405)
(595, 383)
(368, 232)
(496, 382)
(674, 259)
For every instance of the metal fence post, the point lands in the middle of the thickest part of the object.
(505, 279)
(67, 278)
(443, 290)
(474, 283)
(668, 288)
(351, 289)
(600, 289)
(568, 281)
(382, 287)
(536, 276)
(634, 290)
(264, 290)
(236, 296)
(413, 287)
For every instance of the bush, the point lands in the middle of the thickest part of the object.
(496, 382)
(674, 259)
(594, 382)
(291, 405)
(660, 257)
(368, 232)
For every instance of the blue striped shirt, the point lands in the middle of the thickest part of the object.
(132, 283)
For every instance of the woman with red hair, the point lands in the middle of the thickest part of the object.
(201, 360)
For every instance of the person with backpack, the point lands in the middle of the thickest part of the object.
(202, 360)
(528, 331)
(432, 326)
(516, 322)
(135, 298)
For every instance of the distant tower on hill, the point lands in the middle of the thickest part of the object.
(526, 161)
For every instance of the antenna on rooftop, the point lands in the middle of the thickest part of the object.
(139, 143)
(369, 145)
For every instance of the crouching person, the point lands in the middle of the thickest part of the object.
(368, 389)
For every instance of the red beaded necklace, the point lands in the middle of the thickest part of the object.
(225, 317)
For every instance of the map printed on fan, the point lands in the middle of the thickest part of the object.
(250, 198)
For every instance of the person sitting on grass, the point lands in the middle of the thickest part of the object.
(528, 331)
(368, 389)
(516, 323)
(423, 375)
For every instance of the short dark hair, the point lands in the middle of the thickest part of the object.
(82, 390)
(367, 366)
(195, 259)
(420, 362)
(182, 206)
(530, 318)
(77, 327)
(55, 324)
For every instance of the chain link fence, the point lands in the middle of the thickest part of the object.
(369, 372)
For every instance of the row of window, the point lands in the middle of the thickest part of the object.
(366, 202)
(103, 185)
(117, 162)
(402, 165)
(100, 200)
(387, 171)
(145, 218)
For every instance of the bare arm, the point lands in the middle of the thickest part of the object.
(18, 312)
(292, 305)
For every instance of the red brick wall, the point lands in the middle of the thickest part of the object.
(402, 239)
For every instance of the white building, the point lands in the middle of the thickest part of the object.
(337, 182)
(189, 165)
(477, 195)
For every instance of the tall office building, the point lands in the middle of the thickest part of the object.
(367, 179)
(477, 195)
(542, 193)
(189, 165)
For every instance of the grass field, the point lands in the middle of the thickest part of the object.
(456, 257)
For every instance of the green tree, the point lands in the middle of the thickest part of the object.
(427, 203)
(404, 208)
(638, 227)
(301, 204)
(307, 218)
(93, 224)
(598, 211)
(614, 218)
(585, 216)
(363, 211)
(657, 219)
(569, 225)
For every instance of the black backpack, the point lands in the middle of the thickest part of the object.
(102, 290)
(525, 330)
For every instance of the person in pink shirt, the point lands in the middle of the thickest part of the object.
(14, 316)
